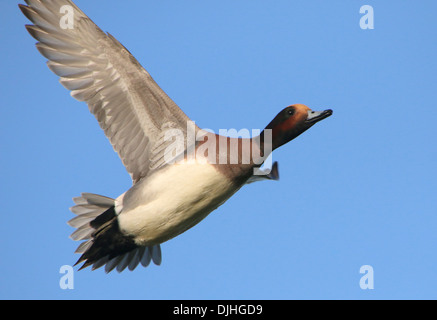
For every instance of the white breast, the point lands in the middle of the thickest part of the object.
(173, 201)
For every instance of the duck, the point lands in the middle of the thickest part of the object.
(180, 173)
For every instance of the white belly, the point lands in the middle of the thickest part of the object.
(173, 201)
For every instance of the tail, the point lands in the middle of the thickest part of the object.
(105, 244)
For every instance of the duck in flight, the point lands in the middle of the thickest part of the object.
(175, 185)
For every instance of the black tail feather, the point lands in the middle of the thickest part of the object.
(108, 241)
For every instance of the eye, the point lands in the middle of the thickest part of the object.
(290, 111)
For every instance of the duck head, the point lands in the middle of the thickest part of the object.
(292, 121)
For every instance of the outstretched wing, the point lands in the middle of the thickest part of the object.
(130, 107)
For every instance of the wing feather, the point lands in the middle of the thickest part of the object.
(128, 104)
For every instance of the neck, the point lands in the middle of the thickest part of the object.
(264, 144)
(269, 139)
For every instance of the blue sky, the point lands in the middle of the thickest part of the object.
(357, 189)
